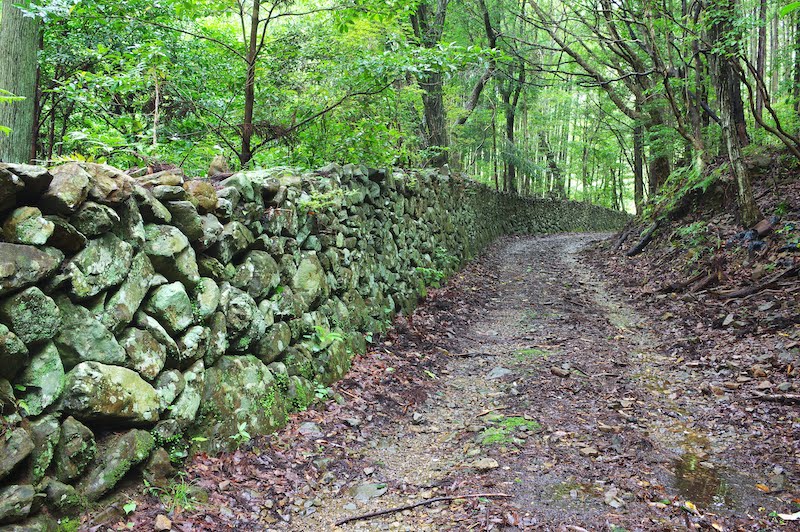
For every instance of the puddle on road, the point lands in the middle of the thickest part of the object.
(702, 484)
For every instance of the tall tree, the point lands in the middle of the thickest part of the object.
(19, 43)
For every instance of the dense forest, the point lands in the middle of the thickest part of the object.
(608, 101)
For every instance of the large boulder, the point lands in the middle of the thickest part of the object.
(14, 448)
(43, 380)
(184, 409)
(26, 225)
(45, 433)
(145, 355)
(257, 275)
(274, 343)
(108, 184)
(33, 316)
(186, 218)
(245, 323)
(65, 237)
(119, 456)
(94, 219)
(83, 338)
(22, 266)
(75, 450)
(171, 306)
(99, 392)
(171, 254)
(15, 503)
(239, 391)
(309, 283)
(10, 185)
(68, 189)
(13, 353)
(123, 304)
(234, 240)
(103, 263)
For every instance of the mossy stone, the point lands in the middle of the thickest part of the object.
(116, 459)
(75, 450)
(99, 392)
(103, 263)
(43, 380)
(33, 316)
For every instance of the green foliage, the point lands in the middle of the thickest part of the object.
(242, 436)
(502, 429)
(175, 496)
(431, 277)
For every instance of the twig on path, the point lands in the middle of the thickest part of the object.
(481, 354)
(490, 410)
(787, 398)
(414, 505)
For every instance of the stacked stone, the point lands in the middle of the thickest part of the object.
(141, 315)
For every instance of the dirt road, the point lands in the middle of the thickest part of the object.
(527, 380)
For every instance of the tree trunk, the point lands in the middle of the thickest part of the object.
(638, 168)
(761, 54)
(728, 89)
(428, 26)
(19, 39)
(246, 153)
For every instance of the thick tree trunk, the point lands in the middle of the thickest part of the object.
(436, 140)
(19, 39)
(728, 91)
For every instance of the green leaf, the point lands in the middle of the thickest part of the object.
(789, 8)
(129, 508)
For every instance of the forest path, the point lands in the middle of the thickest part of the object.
(559, 399)
(544, 387)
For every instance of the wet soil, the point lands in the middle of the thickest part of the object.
(532, 380)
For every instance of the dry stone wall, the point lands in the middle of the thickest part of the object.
(142, 315)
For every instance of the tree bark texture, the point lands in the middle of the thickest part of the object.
(19, 38)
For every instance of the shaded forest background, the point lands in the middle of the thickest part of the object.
(613, 101)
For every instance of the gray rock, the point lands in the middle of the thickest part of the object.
(14, 448)
(103, 263)
(234, 240)
(10, 185)
(22, 266)
(145, 355)
(169, 193)
(68, 189)
(13, 353)
(100, 392)
(186, 218)
(93, 219)
(184, 409)
(171, 254)
(498, 373)
(159, 471)
(15, 503)
(131, 227)
(26, 225)
(108, 184)
(257, 274)
(309, 283)
(365, 492)
(63, 498)
(43, 380)
(212, 229)
(75, 450)
(169, 386)
(123, 304)
(206, 298)
(33, 316)
(65, 237)
(245, 323)
(152, 210)
(193, 345)
(274, 343)
(45, 433)
(171, 306)
(125, 452)
(218, 339)
(151, 325)
(256, 402)
(83, 338)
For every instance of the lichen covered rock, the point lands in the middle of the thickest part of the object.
(33, 316)
(99, 392)
(115, 460)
